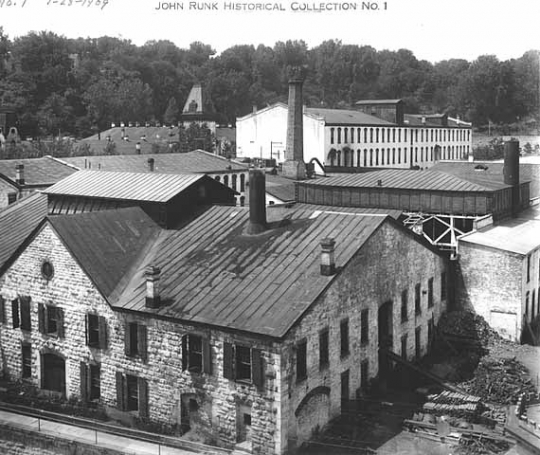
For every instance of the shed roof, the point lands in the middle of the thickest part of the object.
(106, 244)
(516, 235)
(150, 187)
(42, 171)
(403, 179)
(195, 162)
(17, 221)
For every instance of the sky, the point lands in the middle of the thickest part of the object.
(433, 30)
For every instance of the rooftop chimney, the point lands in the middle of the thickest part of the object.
(328, 262)
(511, 172)
(151, 164)
(257, 202)
(152, 275)
(294, 166)
(19, 174)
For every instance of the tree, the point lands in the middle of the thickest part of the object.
(171, 114)
(196, 137)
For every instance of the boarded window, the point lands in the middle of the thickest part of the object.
(344, 337)
(26, 360)
(364, 327)
(323, 349)
(301, 360)
(404, 305)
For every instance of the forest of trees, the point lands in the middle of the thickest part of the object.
(62, 86)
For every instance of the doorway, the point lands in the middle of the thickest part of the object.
(53, 373)
(243, 426)
(385, 331)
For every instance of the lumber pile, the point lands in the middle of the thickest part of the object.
(453, 403)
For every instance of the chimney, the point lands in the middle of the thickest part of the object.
(151, 164)
(511, 172)
(152, 276)
(257, 202)
(328, 262)
(423, 120)
(294, 166)
(19, 174)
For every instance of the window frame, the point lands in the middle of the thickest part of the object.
(26, 360)
(324, 348)
(344, 342)
(404, 305)
(301, 360)
(417, 299)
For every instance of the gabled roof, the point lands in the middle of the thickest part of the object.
(195, 162)
(37, 171)
(17, 221)
(212, 273)
(150, 187)
(516, 235)
(199, 100)
(106, 244)
(404, 179)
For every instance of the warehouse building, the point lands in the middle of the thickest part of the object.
(252, 328)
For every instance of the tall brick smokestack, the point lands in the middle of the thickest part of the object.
(294, 166)
(257, 202)
(511, 172)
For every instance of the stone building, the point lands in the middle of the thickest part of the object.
(348, 140)
(253, 328)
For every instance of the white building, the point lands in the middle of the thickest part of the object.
(354, 138)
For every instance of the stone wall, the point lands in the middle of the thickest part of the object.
(70, 289)
(489, 282)
(5, 189)
(389, 262)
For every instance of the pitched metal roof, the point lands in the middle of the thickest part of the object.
(151, 187)
(516, 235)
(280, 187)
(277, 212)
(345, 117)
(212, 273)
(37, 171)
(394, 101)
(401, 179)
(17, 221)
(106, 244)
(195, 162)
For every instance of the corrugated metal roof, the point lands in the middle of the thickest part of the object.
(401, 179)
(345, 117)
(131, 186)
(106, 244)
(195, 162)
(517, 235)
(214, 274)
(37, 171)
(17, 221)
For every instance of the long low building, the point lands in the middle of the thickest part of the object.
(365, 137)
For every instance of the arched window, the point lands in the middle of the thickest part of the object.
(415, 135)
(358, 135)
(217, 178)
(339, 135)
(388, 156)
(382, 157)
(233, 182)
(382, 134)
(376, 157)
(242, 182)
(365, 157)
(431, 135)
(365, 134)
(371, 135)
(345, 135)
(339, 158)
(416, 154)
(358, 158)
(345, 157)
(405, 135)
(399, 135)
(405, 155)
(352, 135)
(377, 135)
(399, 155)
(332, 135)
(371, 157)
(226, 180)
(421, 135)
(242, 201)
(393, 156)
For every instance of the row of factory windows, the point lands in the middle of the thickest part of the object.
(237, 182)
(324, 335)
(347, 135)
(375, 157)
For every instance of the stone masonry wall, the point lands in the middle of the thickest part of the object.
(5, 189)
(72, 290)
(389, 262)
(489, 282)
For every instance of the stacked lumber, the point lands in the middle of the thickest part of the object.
(453, 403)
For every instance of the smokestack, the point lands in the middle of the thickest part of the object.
(294, 166)
(511, 172)
(328, 262)
(151, 164)
(19, 174)
(257, 202)
(152, 276)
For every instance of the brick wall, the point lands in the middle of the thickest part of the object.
(390, 261)
(70, 289)
(489, 282)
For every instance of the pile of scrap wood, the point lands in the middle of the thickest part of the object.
(454, 404)
(465, 329)
(499, 380)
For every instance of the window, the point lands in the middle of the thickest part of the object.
(135, 340)
(12, 197)
(20, 309)
(345, 391)
(242, 363)
(364, 375)
(331, 135)
(196, 354)
(344, 337)
(323, 349)
(26, 350)
(430, 293)
(301, 361)
(417, 299)
(417, 347)
(339, 135)
(528, 268)
(90, 382)
(2, 310)
(47, 270)
(96, 331)
(404, 305)
(51, 320)
(132, 393)
(364, 333)
(404, 347)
